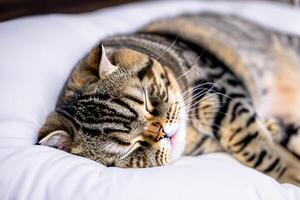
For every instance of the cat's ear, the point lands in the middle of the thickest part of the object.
(59, 139)
(105, 66)
(56, 133)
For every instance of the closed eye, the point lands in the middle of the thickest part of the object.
(135, 99)
(134, 147)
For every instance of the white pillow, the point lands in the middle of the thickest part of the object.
(36, 56)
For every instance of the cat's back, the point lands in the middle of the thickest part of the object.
(267, 61)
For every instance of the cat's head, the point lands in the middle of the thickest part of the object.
(131, 116)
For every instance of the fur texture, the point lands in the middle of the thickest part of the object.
(187, 85)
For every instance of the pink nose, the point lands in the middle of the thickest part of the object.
(161, 134)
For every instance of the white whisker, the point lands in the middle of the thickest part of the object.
(189, 70)
(168, 48)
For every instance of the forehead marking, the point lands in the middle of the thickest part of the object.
(143, 71)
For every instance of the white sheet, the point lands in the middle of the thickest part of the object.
(36, 56)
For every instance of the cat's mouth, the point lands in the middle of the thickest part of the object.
(173, 138)
(171, 135)
(177, 141)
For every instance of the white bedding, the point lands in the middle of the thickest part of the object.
(36, 56)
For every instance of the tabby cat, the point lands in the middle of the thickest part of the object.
(186, 85)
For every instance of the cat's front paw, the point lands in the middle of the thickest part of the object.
(276, 129)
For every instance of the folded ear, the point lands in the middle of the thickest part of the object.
(56, 133)
(105, 66)
(59, 139)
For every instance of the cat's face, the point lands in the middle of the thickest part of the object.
(132, 116)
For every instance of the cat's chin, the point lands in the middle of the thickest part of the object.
(178, 141)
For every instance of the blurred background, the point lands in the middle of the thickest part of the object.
(10, 9)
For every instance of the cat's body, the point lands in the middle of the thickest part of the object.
(189, 85)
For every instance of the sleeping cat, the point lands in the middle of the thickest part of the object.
(186, 85)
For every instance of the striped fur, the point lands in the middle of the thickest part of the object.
(190, 85)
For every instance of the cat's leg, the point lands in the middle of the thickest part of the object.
(291, 139)
(276, 128)
(198, 143)
(199, 137)
(242, 133)
(286, 134)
